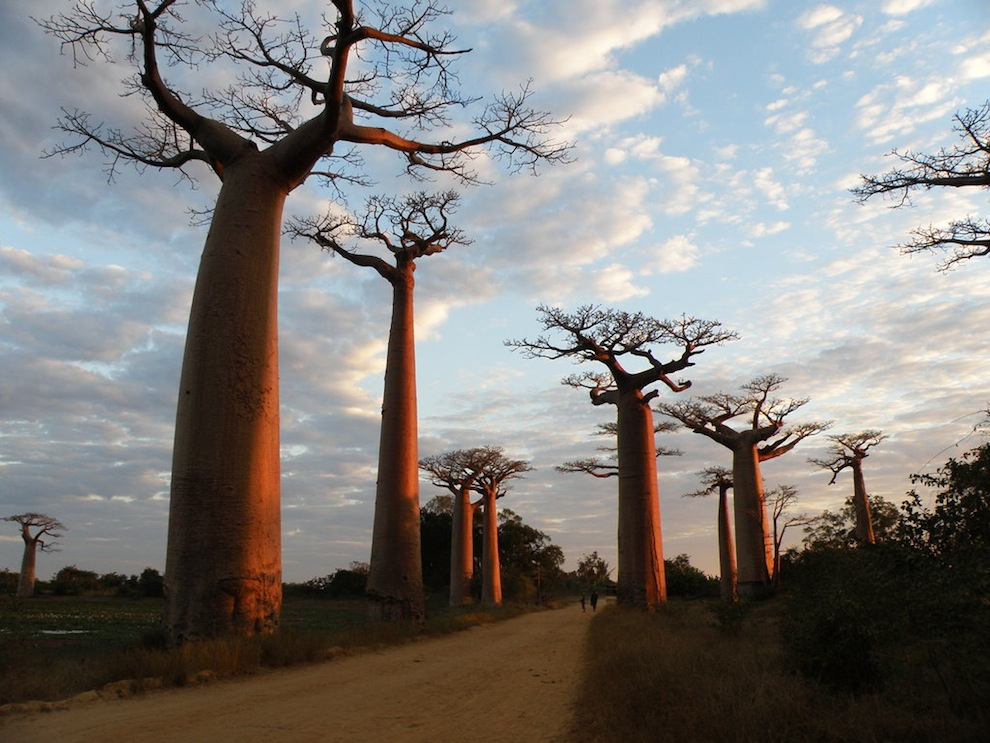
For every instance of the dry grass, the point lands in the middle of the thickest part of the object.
(675, 676)
(52, 649)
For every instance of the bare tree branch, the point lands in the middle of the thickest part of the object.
(405, 77)
(965, 164)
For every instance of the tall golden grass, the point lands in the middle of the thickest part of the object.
(677, 677)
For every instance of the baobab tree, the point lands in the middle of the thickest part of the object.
(263, 136)
(964, 165)
(40, 532)
(408, 229)
(848, 450)
(764, 438)
(493, 469)
(457, 471)
(719, 479)
(612, 338)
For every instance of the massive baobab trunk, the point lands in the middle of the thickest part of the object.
(861, 502)
(223, 570)
(642, 580)
(605, 337)
(29, 562)
(729, 575)
(764, 438)
(491, 570)
(408, 228)
(395, 580)
(223, 566)
(462, 548)
(754, 548)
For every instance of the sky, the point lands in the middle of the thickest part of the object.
(715, 143)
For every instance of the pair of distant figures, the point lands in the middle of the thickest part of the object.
(594, 601)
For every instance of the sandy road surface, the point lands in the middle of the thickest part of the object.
(509, 681)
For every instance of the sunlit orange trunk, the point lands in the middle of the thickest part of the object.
(728, 583)
(29, 561)
(861, 502)
(462, 549)
(642, 580)
(223, 569)
(491, 569)
(395, 580)
(754, 548)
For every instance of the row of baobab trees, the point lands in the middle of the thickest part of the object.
(291, 112)
(751, 423)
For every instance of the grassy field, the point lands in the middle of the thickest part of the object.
(55, 647)
(678, 675)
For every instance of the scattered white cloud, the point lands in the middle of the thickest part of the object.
(616, 283)
(672, 79)
(897, 108)
(675, 255)
(830, 27)
(771, 188)
(903, 7)
(735, 207)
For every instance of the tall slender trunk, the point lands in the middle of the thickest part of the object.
(754, 548)
(642, 580)
(395, 580)
(729, 587)
(461, 549)
(491, 570)
(223, 571)
(26, 580)
(861, 502)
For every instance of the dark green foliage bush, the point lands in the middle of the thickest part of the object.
(889, 618)
(341, 584)
(151, 583)
(8, 582)
(71, 581)
(685, 580)
(435, 530)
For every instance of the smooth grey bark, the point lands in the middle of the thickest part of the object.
(223, 570)
(491, 569)
(861, 502)
(29, 567)
(395, 578)
(642, 578)
(754, 545)
(728, 571)
(462, 548)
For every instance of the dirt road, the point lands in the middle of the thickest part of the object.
(509, 681)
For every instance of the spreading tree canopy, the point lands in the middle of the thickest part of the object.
(293, 101)
(617, 340)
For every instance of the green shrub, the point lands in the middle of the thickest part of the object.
(683, 579)
(888, 618)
